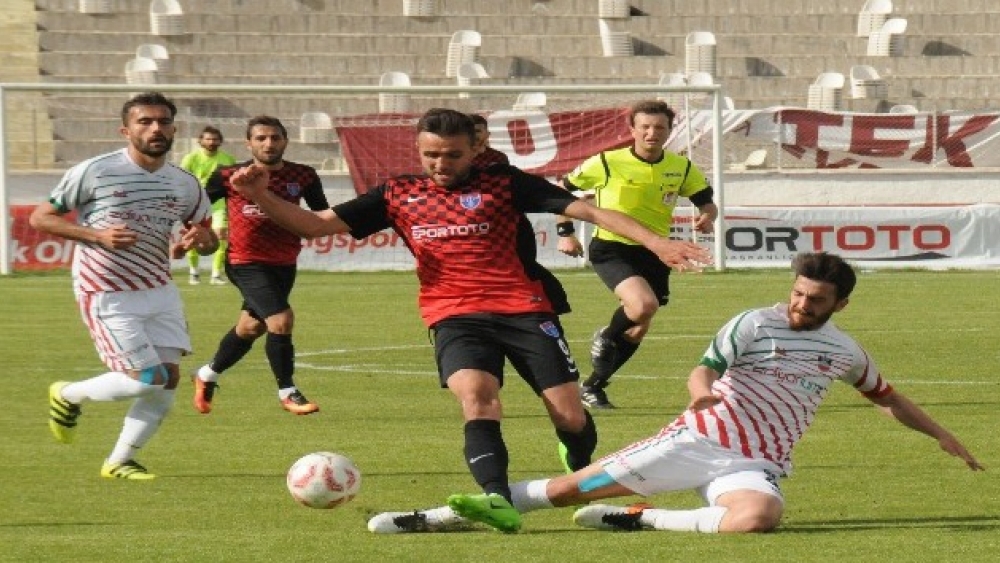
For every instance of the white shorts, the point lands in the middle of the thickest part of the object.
(683, 459)
(133, 330)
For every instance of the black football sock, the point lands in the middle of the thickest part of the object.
(624, 351)
(232, 348)
(281, 355)
(580, 445)
(618, 325)
(486, 455)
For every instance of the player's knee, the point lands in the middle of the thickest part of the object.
(154, 375)
(752, 519)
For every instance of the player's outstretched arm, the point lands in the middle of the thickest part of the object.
(679, 255)
(901, 408)
(251, 182)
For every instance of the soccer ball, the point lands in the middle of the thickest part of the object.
(323, 480)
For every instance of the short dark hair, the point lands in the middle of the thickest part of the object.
(478, 119)
(147, 99)
(267, 121)
(209, 130)
(651, 107)
(447, 123)
(826, 267)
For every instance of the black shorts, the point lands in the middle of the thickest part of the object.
(533, 343)
(265, 288)
(615, 262)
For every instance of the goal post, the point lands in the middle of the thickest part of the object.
(353, 135)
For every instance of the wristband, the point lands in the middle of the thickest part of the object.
(565, 229)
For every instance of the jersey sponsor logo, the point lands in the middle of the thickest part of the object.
(423, 232)
(550, 328)
(471, 201)
(132, 216)
(119, 193)
(251, 210)
(415, 198)
(670, 198)
(293, 188)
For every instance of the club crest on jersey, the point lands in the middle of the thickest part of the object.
(824, 362)
(293, 188)
(550, 328)
(471, 201)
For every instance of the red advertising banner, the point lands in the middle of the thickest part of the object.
(377, 147)
(34, 250)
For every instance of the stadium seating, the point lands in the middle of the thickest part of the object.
(393, 102)
(768, 52)
(615, 42)
(872, 16)
(700, 53)
(166, 17)
(826, 93)
(469, 74)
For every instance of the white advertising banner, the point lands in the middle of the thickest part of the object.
(871, 237)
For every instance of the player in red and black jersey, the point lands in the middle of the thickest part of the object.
(262, 262)
(461, 224)
(527, 245)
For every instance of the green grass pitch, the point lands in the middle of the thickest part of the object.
(864, 487)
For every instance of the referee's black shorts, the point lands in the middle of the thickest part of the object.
(615, 262)
(265, 288)
(533, 342)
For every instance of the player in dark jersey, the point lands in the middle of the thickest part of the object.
(461, 225)
(262, 263)
(526, 244)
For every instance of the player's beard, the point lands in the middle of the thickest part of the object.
(800, 321)
(145, 147)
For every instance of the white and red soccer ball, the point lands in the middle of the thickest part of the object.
(323, 480)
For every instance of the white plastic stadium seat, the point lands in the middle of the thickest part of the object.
(469, 74)
(95, 7)
(420, 8)
(316, 128)
(463, 48)
(700, 52)
(866, 83)
(615, 43)
(166, 17)
(888, 41)
(872, 16)
(903, 108)
(673, 99)
(613, 9)
(140, 70)
(827, 92)
(755, 159)
(158, 53)
(393, 102)
(530, 101)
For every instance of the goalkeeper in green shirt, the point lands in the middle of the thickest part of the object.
(201, 163)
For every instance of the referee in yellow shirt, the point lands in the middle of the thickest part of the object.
(644, 182)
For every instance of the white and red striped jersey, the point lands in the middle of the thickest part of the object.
(773, 380)
(110, 189)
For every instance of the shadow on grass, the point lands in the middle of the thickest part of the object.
(954, 523)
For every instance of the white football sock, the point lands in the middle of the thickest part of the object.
(530, 495)
(442, 515)
(205, 373)
(705, 520)
(141, 423)
(111, 386)
(284, 393)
